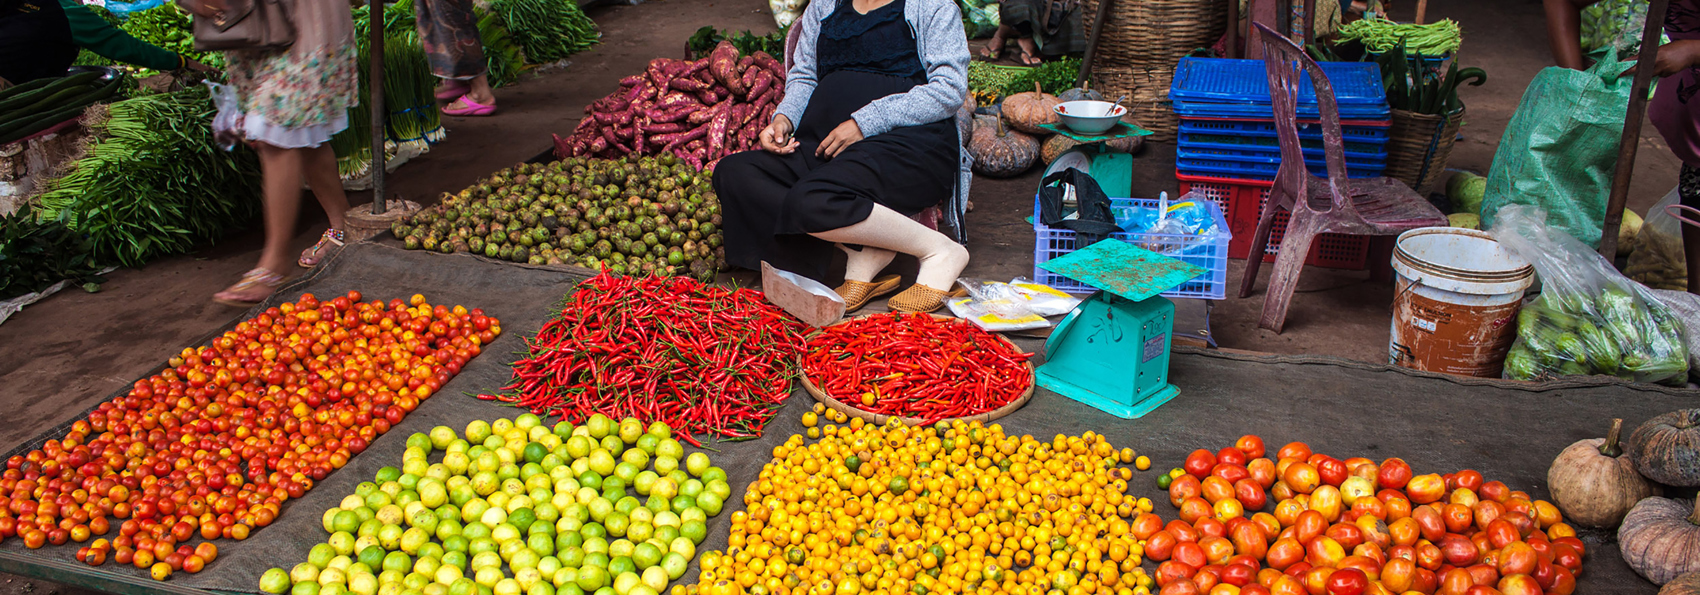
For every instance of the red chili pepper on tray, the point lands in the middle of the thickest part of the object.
(704, 359)
(916, 366)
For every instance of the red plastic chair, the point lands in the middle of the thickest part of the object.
(1336, 204)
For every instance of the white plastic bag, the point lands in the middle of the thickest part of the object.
(1659, 261)
(227, 125)
(1589, 319)
(1018, 305)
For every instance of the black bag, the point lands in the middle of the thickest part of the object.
(1095, 222)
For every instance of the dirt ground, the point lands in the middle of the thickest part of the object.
(67, 352)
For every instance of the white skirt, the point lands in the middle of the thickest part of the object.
(258, 129)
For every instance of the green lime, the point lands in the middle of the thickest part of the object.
(372, 556)
(564, 430)
(275, 581)
(304, 589)
(682, 502)
(696, 531)
(591, 578)
(597, 559)
(345, 521)
(621, 565)
(647, 443)
(522, 518)
(420, 441)
(660, 430)
(534, 452)
(387, 474)
(397, 561)
(599, 425)
(572, 557)
(646, 555)
(527, 421)
(710, 475)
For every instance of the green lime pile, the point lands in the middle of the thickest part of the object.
(515, 508)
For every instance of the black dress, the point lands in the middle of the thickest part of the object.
(770, 202)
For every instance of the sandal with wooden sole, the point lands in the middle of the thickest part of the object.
(256, 285)
(920, 298)
(858, 293)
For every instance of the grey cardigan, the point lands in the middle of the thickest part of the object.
(943, 49)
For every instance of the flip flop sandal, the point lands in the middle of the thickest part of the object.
(451, 89)
(312, 256)
(469, 108)
(920, 298)
(256, 285)
(857, 293)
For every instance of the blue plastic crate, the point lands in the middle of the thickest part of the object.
(1202, 109)
(1246, 81)
(1217, 167)
(1209, 251)
(1360, 133)
(1252, 148)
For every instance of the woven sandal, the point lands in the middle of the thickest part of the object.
(920, 298)
(256, 285)
(313, 255)
(857, 293)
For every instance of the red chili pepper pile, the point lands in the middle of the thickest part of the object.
(703, 359)
(916, 366)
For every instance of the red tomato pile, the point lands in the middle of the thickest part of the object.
(213, 445)
(1352, 527)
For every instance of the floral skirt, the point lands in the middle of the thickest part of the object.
(299, 97)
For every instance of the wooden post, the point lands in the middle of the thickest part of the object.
(1092, 43)
(1631, 140)
(375, 96)
(1422, 10)
(1232, 48)
(1310, 22)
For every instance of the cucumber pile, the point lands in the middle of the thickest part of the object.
(40, 104)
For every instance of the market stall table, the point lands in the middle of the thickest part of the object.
(1508, 431)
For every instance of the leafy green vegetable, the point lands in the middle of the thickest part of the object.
(1054, 77)
(154, 182)
(548, 30)
(704, 40)
(35, 254)
(1439, 38)
(169, 27)
(1411, 87)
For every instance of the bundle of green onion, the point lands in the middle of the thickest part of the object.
(1379, 35)
(548, 30)
(154, 182)
(504, 55)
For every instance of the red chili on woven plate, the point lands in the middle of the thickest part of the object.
(920, 367)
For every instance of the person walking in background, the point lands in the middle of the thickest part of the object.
(292, 101)
(448, 30)
(1048, 28)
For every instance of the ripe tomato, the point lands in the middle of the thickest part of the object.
(1199, 463)
(1251, 445)
(1349, 581)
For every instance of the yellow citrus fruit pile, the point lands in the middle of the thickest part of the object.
(941, 509)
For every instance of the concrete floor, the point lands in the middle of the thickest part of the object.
(66, 353)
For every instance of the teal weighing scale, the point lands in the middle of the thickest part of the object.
(1112, 352)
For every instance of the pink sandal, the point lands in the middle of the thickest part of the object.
(312, 255)
(450, 89)
(469, 108)
(256, 285)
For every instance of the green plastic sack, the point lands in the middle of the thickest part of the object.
(1560, 146)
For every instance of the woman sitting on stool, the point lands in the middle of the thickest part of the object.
(871, 95)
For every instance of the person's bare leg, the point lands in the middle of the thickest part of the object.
(941, 259)
(281, 196)
(1029, 52)
(319, 165)
(480, 90)
(994, 46)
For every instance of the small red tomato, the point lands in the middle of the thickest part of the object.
(1231, 456)
(1199, 463)
(1251, 445)
(1347, 581)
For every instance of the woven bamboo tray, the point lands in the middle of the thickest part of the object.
(1154, 33)
(878, 419)
(1148, 96)
(1419, 145)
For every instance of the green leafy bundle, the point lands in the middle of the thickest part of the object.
(548, 30)
(154, 182)
(169, 27)
(1411, 87)
(1439, 38)
(35, 254)
(1054, 77)
(704, 40)
(505, 56)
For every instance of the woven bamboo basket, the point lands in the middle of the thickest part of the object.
(1419, 145)
(878, 419)
(1148, 96)
(1154, 33)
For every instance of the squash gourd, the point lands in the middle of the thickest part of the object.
(1687, 584)
(1594, 483)
(999, 152)
(1055, 146)
(1085, 93)
(1666, 448)
(1660, 538)
(1027, 111)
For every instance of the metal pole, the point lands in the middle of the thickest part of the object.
(1631, 140)
(1232, 48)
(375, 97)
(1092, 43)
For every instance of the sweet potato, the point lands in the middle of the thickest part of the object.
(598, 145)
(621, 118)
(677, 139)
(701, 116)
(632, 81)
(563, 147)
(687, 85)
(761, 82)
(718, 126)
(673, 115)
(670, 101)
(723, 64)
(662, 128)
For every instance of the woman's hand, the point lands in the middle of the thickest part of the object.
(840, 138)
(1673, 57)
(195, 66)
(776, 138)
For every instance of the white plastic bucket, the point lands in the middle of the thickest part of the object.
(1456, 301)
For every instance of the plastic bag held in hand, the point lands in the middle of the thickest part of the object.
(227, 125)
(1588, 319)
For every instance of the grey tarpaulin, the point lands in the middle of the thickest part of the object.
(1508, 431)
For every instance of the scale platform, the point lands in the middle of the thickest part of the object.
(1112, 352)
